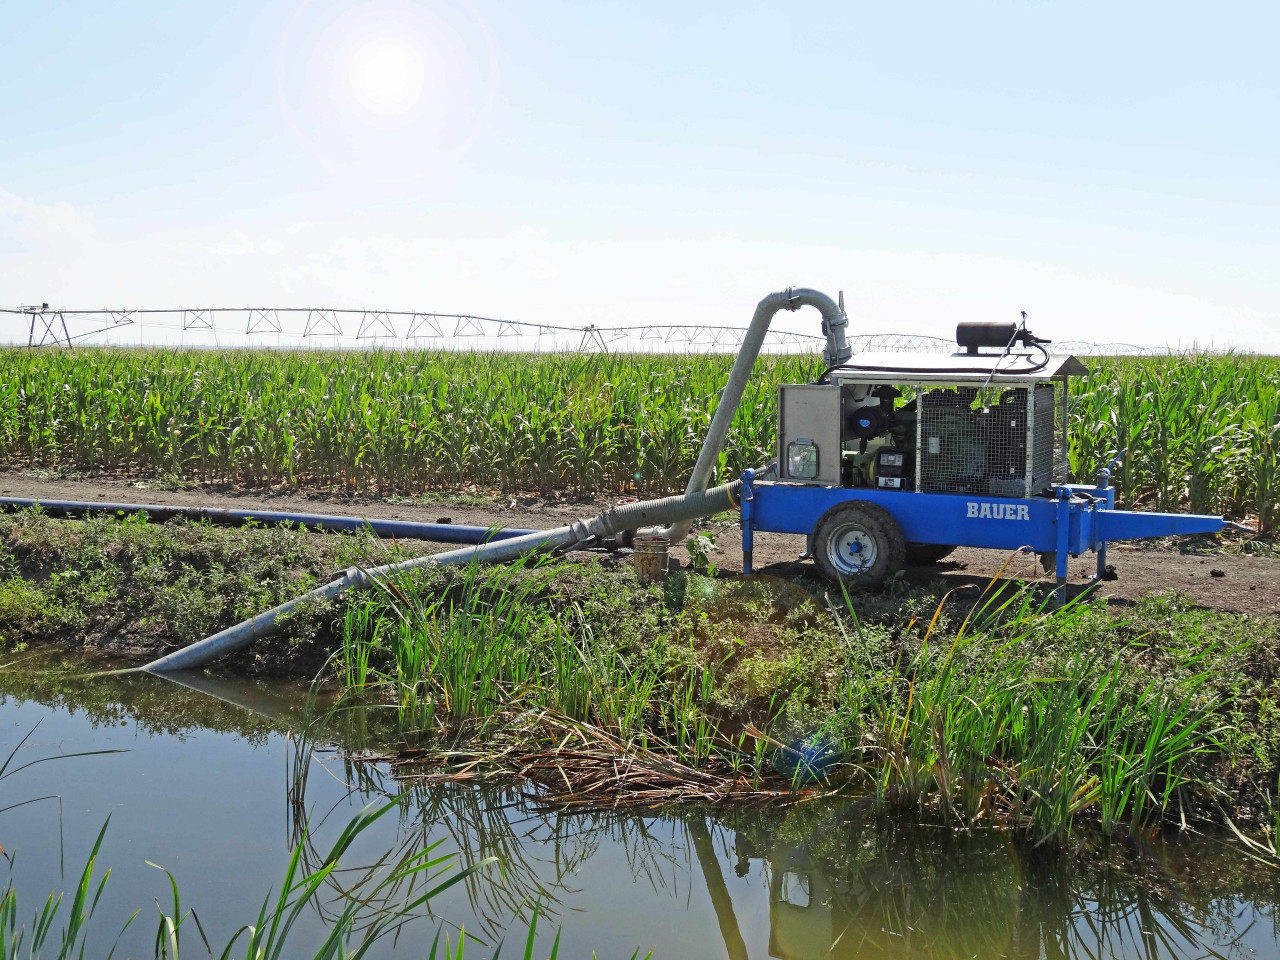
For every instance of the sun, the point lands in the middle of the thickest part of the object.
(387, 75)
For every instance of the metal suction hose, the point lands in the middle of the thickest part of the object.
(837, 351)
(627, 516)
(677, 512)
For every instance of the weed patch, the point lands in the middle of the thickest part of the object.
(123, 585)
(995, 710)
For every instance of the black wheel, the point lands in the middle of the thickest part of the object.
(859, 544)
(920, 554)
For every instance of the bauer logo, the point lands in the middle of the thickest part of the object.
(998, 511)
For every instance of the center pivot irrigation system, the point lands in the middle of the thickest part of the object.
(887, 459)
(358, 328)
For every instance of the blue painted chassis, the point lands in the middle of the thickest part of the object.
(1075, 518)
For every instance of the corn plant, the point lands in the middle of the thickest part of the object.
(1202, 431)
(384, 421)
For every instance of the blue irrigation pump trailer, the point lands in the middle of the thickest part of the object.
(896, 458)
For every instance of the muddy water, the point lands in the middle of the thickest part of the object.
(203, 790)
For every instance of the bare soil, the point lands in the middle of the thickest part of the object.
(1211, 578)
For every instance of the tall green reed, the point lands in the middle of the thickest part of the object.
(993, 722)
(368, 914)
(465, 654)
(1018, 713)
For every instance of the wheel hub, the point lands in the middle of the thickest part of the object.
(851, 550)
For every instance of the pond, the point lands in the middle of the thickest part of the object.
(208, 787)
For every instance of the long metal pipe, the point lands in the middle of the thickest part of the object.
(627, 516)
(159, 512)
(837, 350)
(676, 512)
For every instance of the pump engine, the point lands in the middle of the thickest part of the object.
(988, 420)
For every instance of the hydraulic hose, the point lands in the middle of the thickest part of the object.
(627, 516)
(1016, 371)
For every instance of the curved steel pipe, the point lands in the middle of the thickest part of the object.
(837, 350)
(403, 529)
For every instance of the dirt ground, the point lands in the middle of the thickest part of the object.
(1217, 580)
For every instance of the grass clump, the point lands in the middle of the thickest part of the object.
(120, 584)
(974, 708)
(387, 898)
(993, 709)
(359, 906)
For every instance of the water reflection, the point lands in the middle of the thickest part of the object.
(807, 881)
(840, 882)
(870, 887)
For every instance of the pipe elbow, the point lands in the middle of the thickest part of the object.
(834, 319)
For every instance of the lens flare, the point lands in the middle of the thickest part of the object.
(386, 87)
(387, 76)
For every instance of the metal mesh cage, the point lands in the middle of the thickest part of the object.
(994, 442)
(1061, 436)
(1043, 412)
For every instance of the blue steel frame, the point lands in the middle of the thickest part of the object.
(1077, 517)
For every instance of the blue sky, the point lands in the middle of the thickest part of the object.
(1111, 169)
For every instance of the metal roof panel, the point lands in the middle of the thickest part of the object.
(958, 367)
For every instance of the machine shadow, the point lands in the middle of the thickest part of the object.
(948, 576)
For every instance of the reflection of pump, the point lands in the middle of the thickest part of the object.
(859, 885)
(802, 918)
(719, 893)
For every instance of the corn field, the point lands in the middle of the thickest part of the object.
(1201, 431)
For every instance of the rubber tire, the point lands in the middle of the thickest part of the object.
(878, 524)
(922, 554)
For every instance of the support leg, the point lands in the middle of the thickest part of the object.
(1064, 539)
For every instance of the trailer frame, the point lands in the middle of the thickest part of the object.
(1072, 519)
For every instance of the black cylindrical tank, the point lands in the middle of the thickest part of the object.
(974, 334)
